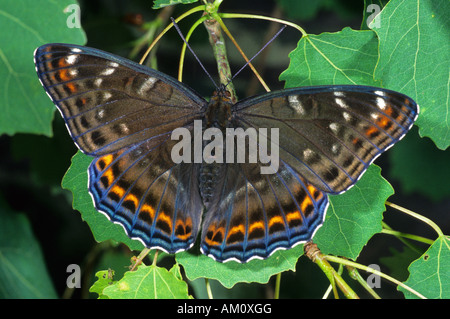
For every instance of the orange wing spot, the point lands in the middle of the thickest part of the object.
(183, 236)
(383, 121)
(119, 191)
(149, 210)
(132, 198)
(62, 62)
(305, 203)
(214, 236)
(276, 220)
(293, 216)
(371, 130)
(236, 229)
(314, 192)
(186, 226)
(109, 175)
(107, 159)
(256, 225)
(72, 88)
(355, 141)
(104, 162)
(165, 219)
(389, 111)
(64, 75)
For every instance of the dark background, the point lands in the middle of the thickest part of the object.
(31, 167)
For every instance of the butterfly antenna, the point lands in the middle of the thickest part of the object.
(249, 61)
(192, 51)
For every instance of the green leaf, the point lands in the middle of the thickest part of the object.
(355, 216)
(23, 273)
(158, 4)
(231, 272)
(399, 261)
(371, 9)
(415, 60)
(148, 282)
(27, 24)
(344, 57)
(430, 274)
(104, 279)
(176, 271)
(76, 180)
(411, 165)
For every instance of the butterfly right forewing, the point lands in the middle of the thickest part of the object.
(330, 135)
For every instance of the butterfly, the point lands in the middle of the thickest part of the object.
(123, 114)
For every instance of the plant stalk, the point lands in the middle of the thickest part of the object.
(313, 253)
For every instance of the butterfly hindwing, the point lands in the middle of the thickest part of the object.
(256, 214)
(330, 135)
(155, 200)
(109, 102)
(251, 213)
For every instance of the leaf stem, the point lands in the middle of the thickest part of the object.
(184, 47)
(217, 43)
(409, 236)
(374, 271)
(354, 273)
(181, 17)
(228, 33)
(208, 289)
(152, 27)
(314, 253)
(260, 17)
(137, 261)
(417, 216)
(276, 294)
(155, 257)
(332, 286)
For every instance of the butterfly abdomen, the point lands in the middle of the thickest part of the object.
(208, 179)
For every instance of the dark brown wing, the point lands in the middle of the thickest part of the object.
(108, 102)
(330, 134)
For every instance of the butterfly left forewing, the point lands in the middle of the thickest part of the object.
(330, 135)
(108, 102)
